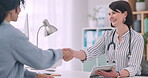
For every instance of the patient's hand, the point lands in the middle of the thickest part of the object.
(67, 55)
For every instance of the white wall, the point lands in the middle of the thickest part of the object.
(80, 10)
(79, 15)
(78, 21)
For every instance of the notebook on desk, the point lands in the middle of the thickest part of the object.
(104, 67)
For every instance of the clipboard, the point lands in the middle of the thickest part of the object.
(106, 68)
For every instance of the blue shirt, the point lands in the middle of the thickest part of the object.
(16, 50)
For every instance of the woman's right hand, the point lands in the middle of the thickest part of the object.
(77, 54)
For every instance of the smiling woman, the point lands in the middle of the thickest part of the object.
(122, 45)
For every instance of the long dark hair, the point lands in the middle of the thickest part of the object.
(7, 5)
(123, 6)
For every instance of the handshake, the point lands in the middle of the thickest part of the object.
(69, 54)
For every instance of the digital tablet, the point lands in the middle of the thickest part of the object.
(104, 67)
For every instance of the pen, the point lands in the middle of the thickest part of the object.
(53, 75)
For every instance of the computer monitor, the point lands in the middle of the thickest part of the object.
(22, 23)
(26, 26)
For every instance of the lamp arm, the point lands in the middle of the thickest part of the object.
(38, 35)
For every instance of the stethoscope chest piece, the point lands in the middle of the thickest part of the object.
(129, 55)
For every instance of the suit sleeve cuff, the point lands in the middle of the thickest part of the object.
(29, 74)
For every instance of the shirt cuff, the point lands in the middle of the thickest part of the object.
(131, 72)
(118, 73)
(60, 54)
(29, 74)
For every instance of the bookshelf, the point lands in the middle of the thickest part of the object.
(91, 34)
(143, 14)
(89, 37)
(144, 26)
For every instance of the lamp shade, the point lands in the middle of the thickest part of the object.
(49, 29)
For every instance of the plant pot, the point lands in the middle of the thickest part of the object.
(92, 23)
(137, 25)
(140, 6)
(132, 4)
(146, 49)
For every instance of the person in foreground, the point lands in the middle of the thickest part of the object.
(122, 45)
(16, 50)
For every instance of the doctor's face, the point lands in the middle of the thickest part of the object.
(116, 17)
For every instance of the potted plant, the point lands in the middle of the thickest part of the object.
(140, 0)
(140, 5)
(93, 19)
(144, 63)
(145, 36)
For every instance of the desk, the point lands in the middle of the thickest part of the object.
(81, 74)
(73, 74)
(76, 74)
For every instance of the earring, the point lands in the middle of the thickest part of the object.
(124, 20)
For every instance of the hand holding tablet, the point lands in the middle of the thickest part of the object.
(106, 68)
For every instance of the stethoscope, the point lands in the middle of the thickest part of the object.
(114, 45)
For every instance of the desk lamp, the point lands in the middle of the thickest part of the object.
(49, 29)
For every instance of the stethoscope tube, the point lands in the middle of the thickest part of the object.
(129, 54)
(112, 42)
(114, 45)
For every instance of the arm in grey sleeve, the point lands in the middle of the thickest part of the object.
(29, 74)
(26, 53)
(136, 57)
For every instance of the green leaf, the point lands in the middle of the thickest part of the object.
(145, 36)
(140, 0)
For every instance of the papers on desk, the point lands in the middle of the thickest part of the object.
(42, 71)
(51, 73)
